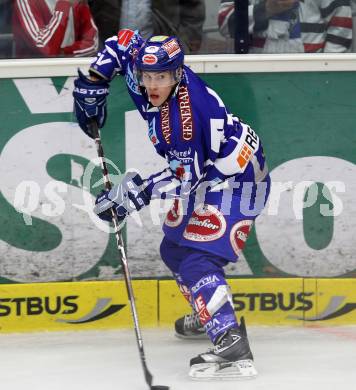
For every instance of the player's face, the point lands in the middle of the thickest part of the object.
(158, 86)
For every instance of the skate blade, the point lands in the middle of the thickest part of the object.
(242, 369)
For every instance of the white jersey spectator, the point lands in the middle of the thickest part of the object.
(293, 26)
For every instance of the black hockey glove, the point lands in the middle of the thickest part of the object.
(124, 198)
(90, 102)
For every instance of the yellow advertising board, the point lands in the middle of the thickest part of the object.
(277, 301)
(104, 305)
(75, 306)
(335, 302)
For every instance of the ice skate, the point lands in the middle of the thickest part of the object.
(231, 358)
(189, 327)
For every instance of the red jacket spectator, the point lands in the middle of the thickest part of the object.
(45, 28)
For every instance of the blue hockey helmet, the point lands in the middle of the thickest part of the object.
(158, 54)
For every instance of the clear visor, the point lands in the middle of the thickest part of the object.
(150, 79)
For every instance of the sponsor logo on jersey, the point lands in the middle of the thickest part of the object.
(149, 59)
(181, 155)
(206, 224)
(200, 308)
(180, 171)
(204, 281)
(185, 110)
(165, 125)
(124, 38)
(171, 48)
(249, 146)
(152, 132)
(244, 156)
(175, 215)
(239, 234)
(158, 38)
(151, 49)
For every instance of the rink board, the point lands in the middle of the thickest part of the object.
(75, 305)
(289, 301)
(104, 305)
(49, 232)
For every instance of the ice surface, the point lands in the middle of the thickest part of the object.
(286, 358)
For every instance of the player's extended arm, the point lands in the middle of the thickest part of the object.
(90, 92)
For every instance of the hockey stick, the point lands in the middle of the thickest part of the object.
(120, 246)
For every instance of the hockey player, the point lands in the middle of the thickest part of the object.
(216, 176)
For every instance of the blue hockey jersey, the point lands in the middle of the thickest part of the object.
(194, 131)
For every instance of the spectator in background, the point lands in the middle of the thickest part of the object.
(137, 15)
(281, 26)
(106, 14)
(54, 28)
(184, 18)
(109, 15)
(353, 8)
(6, 44)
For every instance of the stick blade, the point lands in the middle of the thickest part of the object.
(158, 387)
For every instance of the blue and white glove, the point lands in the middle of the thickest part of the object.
(90, 102)
(124, 198)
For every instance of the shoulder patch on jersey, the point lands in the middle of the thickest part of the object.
(239, 234)
(175, 215)
(206, 224)
(185, 110)
(124, 38)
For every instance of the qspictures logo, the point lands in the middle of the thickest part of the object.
(61, 307)
(293, 303)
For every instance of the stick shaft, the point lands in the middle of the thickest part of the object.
(121, 248)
